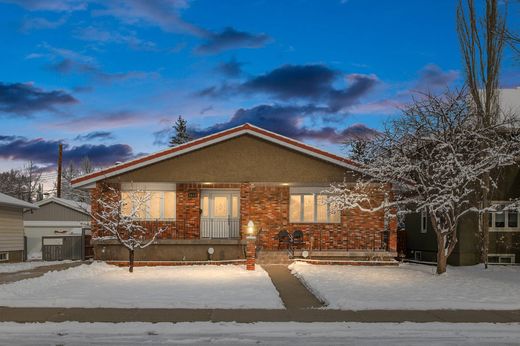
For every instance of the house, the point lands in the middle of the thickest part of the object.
(55, 216)
(504, 226)
(11, 228)
(206, 192)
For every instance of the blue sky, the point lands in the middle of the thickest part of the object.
(108, 79)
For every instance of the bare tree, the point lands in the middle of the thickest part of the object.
(482, 42)
(117, 218)
(433, 153)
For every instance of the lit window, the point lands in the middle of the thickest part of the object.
(159, 205)
(311, 208)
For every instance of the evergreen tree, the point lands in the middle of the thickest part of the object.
(181, 132)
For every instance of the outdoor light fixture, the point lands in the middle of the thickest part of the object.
(251, 228)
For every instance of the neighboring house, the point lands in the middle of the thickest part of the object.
(55, 216)
(504, 237)
(11, 228)
(207, 190)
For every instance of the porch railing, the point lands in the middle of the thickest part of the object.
(220, 228)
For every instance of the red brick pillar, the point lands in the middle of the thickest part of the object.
(250, 253)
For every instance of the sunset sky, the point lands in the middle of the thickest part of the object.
(108, 78)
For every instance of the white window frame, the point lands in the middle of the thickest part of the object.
(424, 220)
(310, 191)
(149, 188)
(506, 227)
(5, 255)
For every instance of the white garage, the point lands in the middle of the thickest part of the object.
(55, 217)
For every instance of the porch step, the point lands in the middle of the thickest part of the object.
(273, 257)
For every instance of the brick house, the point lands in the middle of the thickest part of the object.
(207, 190)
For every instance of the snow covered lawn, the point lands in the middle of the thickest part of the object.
(103, 285)
(288, 333)
(16, 267)
(412, 286)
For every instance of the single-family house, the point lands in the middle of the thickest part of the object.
(54, 217)
(206, 192)
(11, 228)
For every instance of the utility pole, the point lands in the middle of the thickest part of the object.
(60, 159)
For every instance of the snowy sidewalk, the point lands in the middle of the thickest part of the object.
(254, 315)
(34, 270)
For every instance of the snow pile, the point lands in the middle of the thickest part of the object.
(16, 267)
(103, 285)
(74, 333)
(412, 286)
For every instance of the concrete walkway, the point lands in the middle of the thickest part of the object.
(293, 293)
(253, 315)
(6, 278)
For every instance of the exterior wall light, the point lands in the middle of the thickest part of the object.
(250, 229)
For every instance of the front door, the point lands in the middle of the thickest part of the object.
(220, 214)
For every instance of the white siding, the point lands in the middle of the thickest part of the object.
(11, 229)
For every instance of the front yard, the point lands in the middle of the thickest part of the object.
(412, 286)
(103, 285)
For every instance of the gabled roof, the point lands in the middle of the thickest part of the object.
(15, 202)
(78, 206)
(196, 144)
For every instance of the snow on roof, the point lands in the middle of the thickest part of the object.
(78, 206)
(15, 202)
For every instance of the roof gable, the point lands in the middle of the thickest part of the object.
(212, 140)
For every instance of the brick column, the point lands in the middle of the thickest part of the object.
(251, 253)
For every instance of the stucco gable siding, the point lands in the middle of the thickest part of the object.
(11, 229)
(55, 212)
(241, 159)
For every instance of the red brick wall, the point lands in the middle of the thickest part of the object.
(268, 207)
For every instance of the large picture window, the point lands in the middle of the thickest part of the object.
(311, 207)
(160, 205)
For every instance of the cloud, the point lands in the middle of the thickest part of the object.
(95, 135)
(310, 83)
(30, 24)
(231, 68)
(105, 119)
(288, 121)
(433, 77)
(231, 38)
(24, 99)
(294, 81)
(45, 152)
(69, 66)
(50, 5)
(101, 36)
(162, 13)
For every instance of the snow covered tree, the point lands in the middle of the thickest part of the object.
(482, 37)
(117, 218)
(71, 172)
(358, 150)
(432, 157)
(181, 132)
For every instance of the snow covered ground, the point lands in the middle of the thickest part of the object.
(16, 267)
(412, 286)
(74, 333)
(103, 285)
